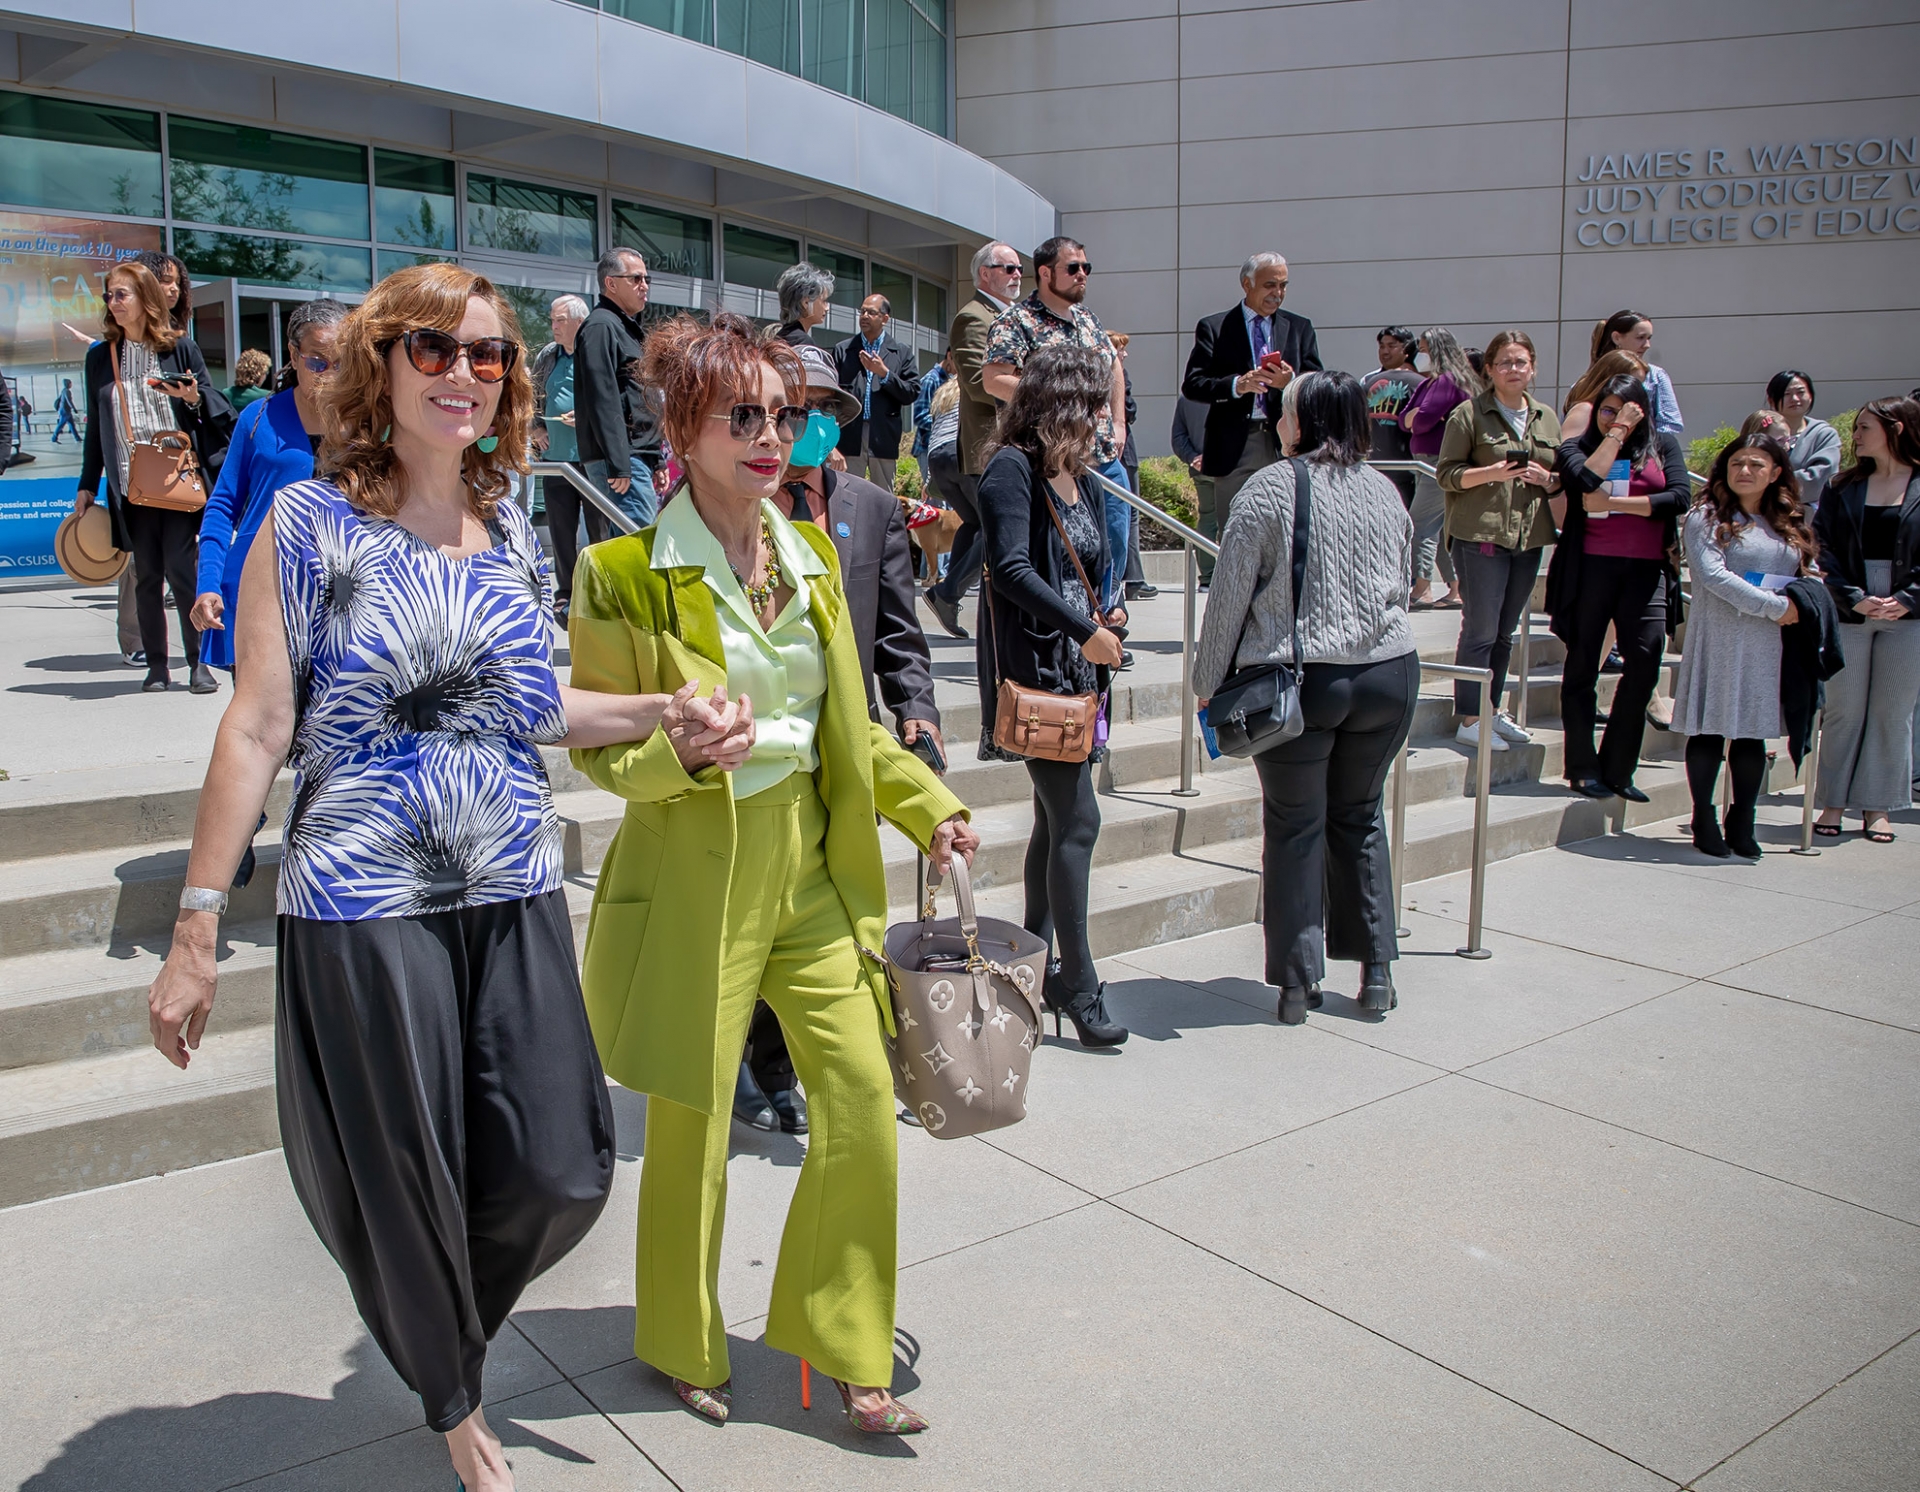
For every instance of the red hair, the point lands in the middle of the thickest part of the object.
(690, 370)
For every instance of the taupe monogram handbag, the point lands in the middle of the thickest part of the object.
(162, 472)
(966, 1007)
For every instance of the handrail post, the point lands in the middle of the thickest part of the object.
(1526, 664)
(574, 478)
(1189, 746)
(1398, 844)
(1483, 787)
(1810, 774)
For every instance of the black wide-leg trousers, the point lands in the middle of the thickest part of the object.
(445, 1121)
(1327, 878)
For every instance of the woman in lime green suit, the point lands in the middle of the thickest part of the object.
(764, 881)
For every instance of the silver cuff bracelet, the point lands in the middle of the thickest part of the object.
(200, 899)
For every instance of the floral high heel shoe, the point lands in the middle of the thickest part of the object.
(712, 1403)
(895, 1419)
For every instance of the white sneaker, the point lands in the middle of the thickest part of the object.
(1505, 728)
(1469, 736)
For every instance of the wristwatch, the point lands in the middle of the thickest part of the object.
(201, 899)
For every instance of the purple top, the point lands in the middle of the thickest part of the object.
(1431, 404)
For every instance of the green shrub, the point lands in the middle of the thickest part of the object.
(1167, 483)
(1844, 424)
(906, 480)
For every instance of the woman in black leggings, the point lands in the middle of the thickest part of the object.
(1042, 628)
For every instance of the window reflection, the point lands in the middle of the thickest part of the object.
(272, 261)
(412, 199)
(672, 242)
(79, 157)
(244, 177)
(755, 259)
(523, 218)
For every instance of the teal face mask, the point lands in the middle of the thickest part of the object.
(822, 435)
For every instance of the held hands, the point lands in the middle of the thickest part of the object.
(208, 608)
(1102, 648)
(1880, 608)
(715, 732)
(181, 999)
(955, 835)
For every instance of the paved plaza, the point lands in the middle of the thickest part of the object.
(1632, 1204)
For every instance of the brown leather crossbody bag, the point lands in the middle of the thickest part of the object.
(162, 472)
(1032, 722)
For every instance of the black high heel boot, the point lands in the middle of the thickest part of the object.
(1740, 831)
(1707, 838)
(1293, 1005)
(1376, 988)
(1091, 1022)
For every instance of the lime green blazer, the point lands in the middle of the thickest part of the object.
(651, 973)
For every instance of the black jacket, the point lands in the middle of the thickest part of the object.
(612, 421)
(1809, 656)
(869, 530)
(891, 394)
(208, 424)
(1669, 504)
(1221, 353)
(1033, 633)
(1839, 524)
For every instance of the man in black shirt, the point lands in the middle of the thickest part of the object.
(618, 439)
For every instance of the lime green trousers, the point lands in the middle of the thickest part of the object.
(789, 941)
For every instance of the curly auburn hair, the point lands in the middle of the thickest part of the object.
(690, 370)
(1780, 504)
(358, 406)
(159, 332)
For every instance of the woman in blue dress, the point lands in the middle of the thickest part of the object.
(442, 1108)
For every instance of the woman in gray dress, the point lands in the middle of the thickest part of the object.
(1745, 538)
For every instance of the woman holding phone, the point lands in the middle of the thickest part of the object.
(144, 378)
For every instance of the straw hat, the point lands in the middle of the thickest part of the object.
(83, 544)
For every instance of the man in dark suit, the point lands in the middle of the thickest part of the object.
(882, 377)
(1241, 361)
(869, 532)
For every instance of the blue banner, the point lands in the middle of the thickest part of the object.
(30, 510)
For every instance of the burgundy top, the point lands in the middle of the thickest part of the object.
(1628, 535)
(1431, 404)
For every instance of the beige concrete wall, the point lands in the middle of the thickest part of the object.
(1418, 161)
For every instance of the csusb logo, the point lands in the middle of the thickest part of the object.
(26, 561)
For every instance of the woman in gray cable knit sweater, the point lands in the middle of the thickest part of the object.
(1328, 885)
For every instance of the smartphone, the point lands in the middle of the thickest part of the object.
(928, 750)
(168, 383)
(1272, 361)
(1516, 460)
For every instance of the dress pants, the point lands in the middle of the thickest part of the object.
(1495, 585)
(1326, 874)
(963, 563)
(1631, 595)
(127, 612)
(165, 554)
(1866, 746)
(445, 1121)
(875, 466)
(1429, 515)
(565, 509)
(1204, 488)
(787, 940)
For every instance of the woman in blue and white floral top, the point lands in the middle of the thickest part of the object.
(441, 1103)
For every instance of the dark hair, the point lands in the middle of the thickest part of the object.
(1512, 337)
(157, 262)
(1905, 441)
(1050, 250)
(1055, 408)
(1476, 360)
(1780, 504)
(1616, 325)
(1400, 334)
(322, 312)
(1628, 390)
(1777, 386)
(1331, 409)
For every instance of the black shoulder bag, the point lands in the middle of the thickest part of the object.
(1256, 709)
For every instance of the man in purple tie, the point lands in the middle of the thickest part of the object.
(1241, 360)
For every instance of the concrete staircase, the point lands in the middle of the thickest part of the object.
(91, 866)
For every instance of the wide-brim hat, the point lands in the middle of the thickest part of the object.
(822, 379)
(83, 545)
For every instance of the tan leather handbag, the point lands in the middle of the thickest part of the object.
(966, 1010)
(162, 472)
(1032, 722)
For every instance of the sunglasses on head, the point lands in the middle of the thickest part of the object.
(746, 421)
(435, 352)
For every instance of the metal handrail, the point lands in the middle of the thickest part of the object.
(586, 489)
(1482, 791)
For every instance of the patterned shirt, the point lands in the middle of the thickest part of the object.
(149, 411)
(1028, 325)
(422, 684)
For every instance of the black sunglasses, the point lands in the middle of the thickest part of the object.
(435, 352)
(746, 421)
(1078, 267)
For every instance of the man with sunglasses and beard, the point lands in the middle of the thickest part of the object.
(614, 429)
(869, 532)
(1055, 313)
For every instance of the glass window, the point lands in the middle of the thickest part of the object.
(889, 56)
(533, 304)
(412, 200)
(929, 75)
(764, 30)
(933, 10)
(260, 178)
(832, 53)
(756, 259)
(692, 19)
(897, 286)
(849, 273)
(272, 261)
(933, 307)
(386, 261)
(79, 157)
(673, 243)
(526, 219)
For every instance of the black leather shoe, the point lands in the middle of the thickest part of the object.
(1739, 827)
(1314, 998)
(947, 612)
(201, 680)
(157, 682)
(1628, 791)
(1590, 787)
(1091, 1023)
(1126, 659)
(1707, 838)
(750, 1105)
(1376, 989)
(791, 1108)
(1141, 591)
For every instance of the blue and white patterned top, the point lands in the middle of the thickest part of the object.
(422, 685)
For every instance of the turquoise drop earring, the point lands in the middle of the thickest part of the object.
(488, 443)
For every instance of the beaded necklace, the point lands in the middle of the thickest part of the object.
(759, 595)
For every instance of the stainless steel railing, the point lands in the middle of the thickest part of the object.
(578, 480)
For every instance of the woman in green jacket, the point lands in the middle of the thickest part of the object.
(1497, 470)
(763, 882)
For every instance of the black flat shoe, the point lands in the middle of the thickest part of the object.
(1707, 838)
(1091, 1023)
(156, 683)
(750, 1105)
(1628, 791)
(1141, 591)
(201, 680)
(1590, 787)
(791, 1108)
(946, 611)
(1376, 989)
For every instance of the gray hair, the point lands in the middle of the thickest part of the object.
(798, 284)
(322, 312)
(984, 253)
(613, 264)
(1257, 262)
(571, 306)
